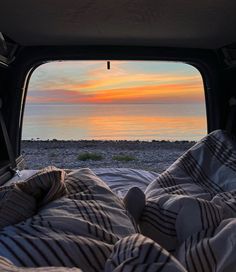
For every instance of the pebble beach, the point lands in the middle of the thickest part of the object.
(152, 156)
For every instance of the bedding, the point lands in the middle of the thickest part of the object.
(188, 221)
(21, 200)
(120, 180)
(78, 229)
(143, 254)
(86, 227)
(191, 207)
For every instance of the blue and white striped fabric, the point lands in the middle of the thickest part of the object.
(190, 215)
(139, 253)
(77, 230)
(191, 207)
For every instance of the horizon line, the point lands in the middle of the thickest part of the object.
(112, 103)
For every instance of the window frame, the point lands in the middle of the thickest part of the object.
(29, 58)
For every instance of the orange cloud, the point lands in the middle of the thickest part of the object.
(187, 92)
(135, 80)
(121, 86)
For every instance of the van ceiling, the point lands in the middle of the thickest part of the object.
(166, 23)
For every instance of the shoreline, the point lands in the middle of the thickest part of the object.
(152, 156)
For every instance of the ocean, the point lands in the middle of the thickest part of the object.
(144, 122)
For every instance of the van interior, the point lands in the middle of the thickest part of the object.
(116, 219)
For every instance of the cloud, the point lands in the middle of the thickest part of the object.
(165, 93)
(93, 83)
(57, 96)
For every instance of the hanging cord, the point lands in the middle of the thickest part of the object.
(11, 156)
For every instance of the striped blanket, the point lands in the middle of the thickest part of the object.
(188, 222)
(86, 229)
(20, 201)
(191, 207)
(78, 229)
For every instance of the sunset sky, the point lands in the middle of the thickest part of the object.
(71, 82)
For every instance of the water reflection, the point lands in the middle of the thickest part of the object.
(115, 122)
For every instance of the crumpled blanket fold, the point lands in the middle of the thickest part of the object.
(78, 229)
(20, 201)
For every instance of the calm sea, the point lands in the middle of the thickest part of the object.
(115, 122)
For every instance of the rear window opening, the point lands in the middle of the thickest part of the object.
(138, 114)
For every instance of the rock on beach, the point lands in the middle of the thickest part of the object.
(152, 156)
